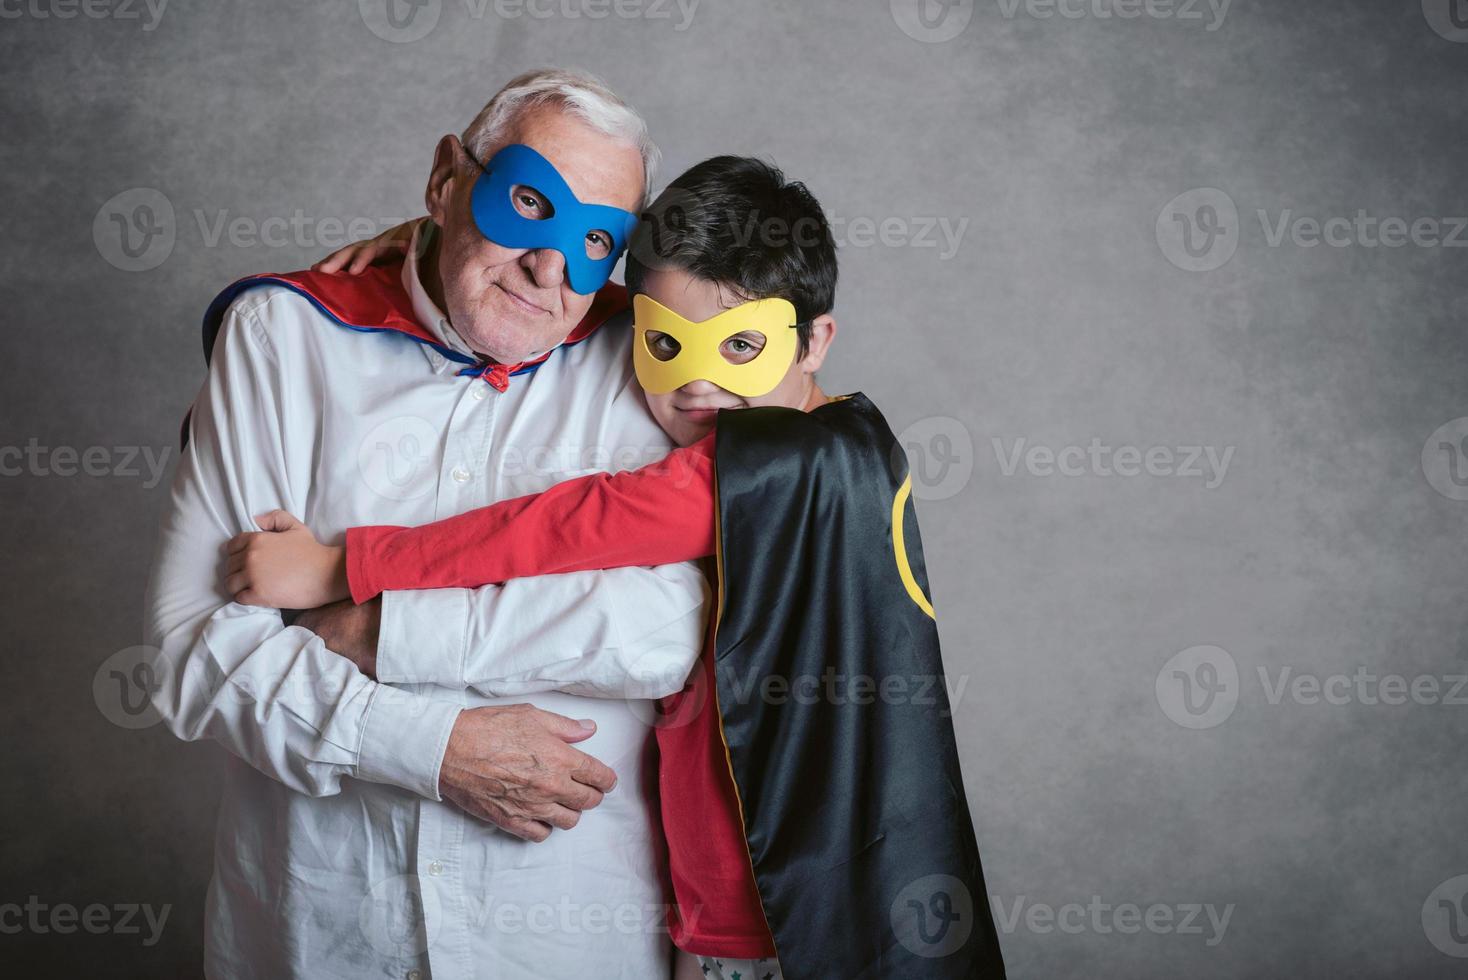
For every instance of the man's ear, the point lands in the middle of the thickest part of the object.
(822, 335)
(441, 181)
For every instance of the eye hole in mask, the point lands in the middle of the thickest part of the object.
(746, 349)
(741, 348)
(532, 204)
(520, 200)
(661, 346)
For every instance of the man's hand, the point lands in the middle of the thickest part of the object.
(513, 767)
(348, 629)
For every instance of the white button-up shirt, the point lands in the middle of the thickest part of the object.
(334, 855)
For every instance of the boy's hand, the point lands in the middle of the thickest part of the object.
(284, 566)
(355, 258)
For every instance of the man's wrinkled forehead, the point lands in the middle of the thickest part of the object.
(600, 169)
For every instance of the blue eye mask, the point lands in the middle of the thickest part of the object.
(566, 228)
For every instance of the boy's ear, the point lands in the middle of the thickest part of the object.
(822, 335)
(441, 180)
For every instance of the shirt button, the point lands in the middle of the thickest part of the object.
(460, 475)
(435, 868)
(415, 975)
(479, 390)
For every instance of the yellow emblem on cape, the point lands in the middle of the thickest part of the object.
(904, 567)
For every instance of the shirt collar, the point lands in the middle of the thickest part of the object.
(425, 310)
(432, 319)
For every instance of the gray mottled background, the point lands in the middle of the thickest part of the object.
(1077, 301)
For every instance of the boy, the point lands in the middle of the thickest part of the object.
(799, 829)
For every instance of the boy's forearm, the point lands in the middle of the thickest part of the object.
(660, 514)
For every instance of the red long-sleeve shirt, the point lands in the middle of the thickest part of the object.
(662, 513)
(656, 515)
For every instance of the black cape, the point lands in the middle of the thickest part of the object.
(853, 803)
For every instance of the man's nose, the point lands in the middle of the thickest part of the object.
(546, 266)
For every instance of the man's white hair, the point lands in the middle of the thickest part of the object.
(577, 92)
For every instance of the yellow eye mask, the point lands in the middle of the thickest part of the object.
(698, 357)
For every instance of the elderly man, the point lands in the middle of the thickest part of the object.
(403, 825)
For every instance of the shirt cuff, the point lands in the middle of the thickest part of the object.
(423, 637)
(403, 740)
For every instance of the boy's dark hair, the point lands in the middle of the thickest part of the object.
(737, 222)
